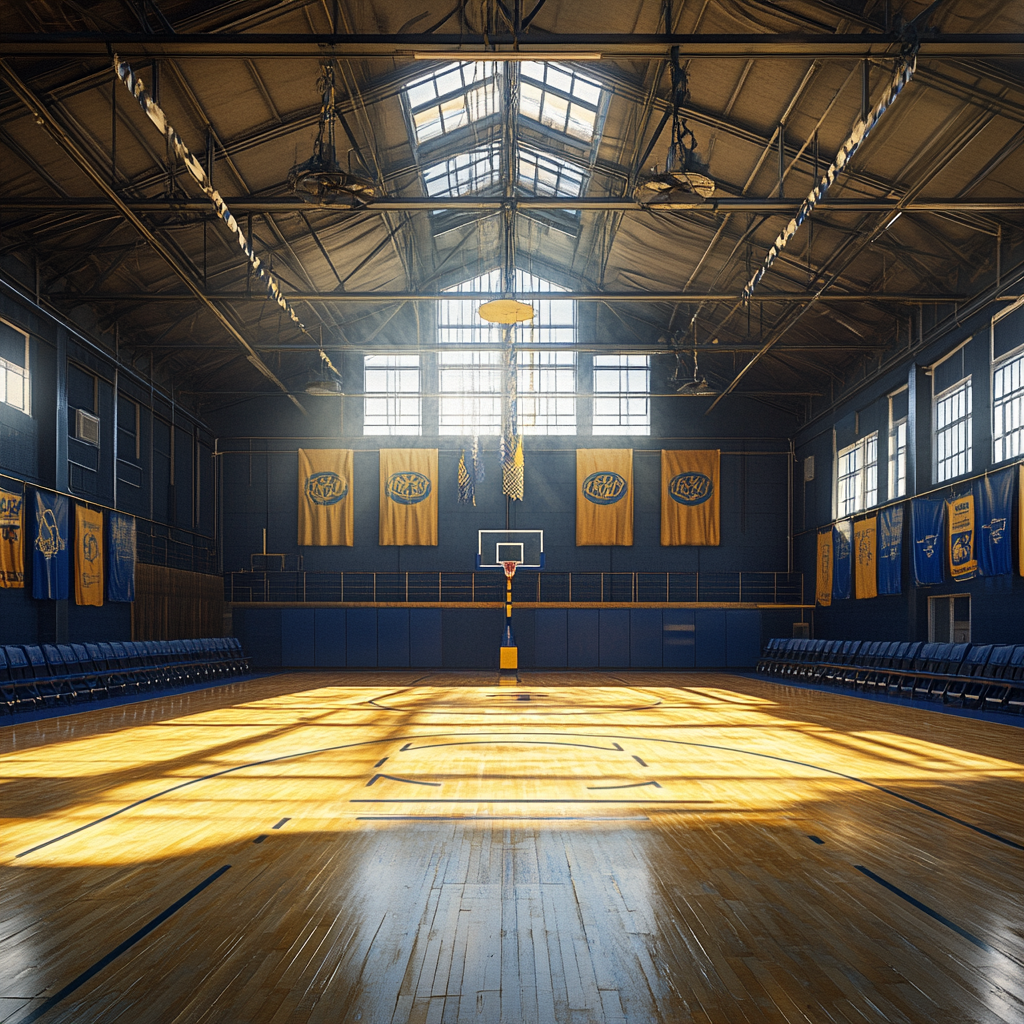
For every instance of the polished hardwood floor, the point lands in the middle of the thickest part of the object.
(400, 847)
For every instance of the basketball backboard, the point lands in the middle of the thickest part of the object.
(495, 547)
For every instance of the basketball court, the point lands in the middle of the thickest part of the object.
(580, 847)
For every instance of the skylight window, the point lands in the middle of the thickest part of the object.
(464, 173)
(559, 98)
(454, 97)
(541, 174)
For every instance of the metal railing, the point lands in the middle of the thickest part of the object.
(530, 587)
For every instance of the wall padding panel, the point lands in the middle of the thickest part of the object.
(584, 629)
(298, 648)
(677, 638)
(645, 647)
(710, 638)
(551, 638)
(361, 641)
(330, 626)
(392, 638)
(425, 638)
(742, 638)
(614, 637)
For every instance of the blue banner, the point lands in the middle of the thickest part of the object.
(890, 549)
(993, 518)
(121, 557)
(50, 568)
(926, 519)
(842, 545)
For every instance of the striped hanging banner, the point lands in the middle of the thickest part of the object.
(904, 72)
(195, 168)
(511, 447)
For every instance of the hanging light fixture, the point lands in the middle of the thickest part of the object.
(683, 183)
(320, 179)
(505, 311)
(325, 382)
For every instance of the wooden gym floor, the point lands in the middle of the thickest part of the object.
(388, 847)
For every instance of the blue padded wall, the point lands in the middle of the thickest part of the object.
(392, 638)
(613, 640)
(677, 638)
(583, 628)
(550, 638)
(742, 638)
(330, 637)
(297, 638)
(425, 637)
(361, 645)
(645, 644)
(709, 635)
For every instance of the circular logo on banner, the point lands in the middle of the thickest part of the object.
(407, 488)
(604, 488)
(91, 547)
(690, 488)
(326, 488)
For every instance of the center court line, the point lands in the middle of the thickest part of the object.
(647, 739)
(90, 972)
(925, 909)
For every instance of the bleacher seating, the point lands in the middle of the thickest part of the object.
(33, 677)
(982, 676)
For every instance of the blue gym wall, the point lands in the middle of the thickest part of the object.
(258, 487)
(175, 524)
(997, 603)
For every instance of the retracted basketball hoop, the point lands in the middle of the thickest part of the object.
(509, 550)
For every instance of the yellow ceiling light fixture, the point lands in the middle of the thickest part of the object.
(506, 311)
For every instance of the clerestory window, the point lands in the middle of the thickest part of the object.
(451, 98)
(471, 380)
(560, 98)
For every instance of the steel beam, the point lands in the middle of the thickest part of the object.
(45, 118)
(386, 297)
(651, 46)
(412, 204)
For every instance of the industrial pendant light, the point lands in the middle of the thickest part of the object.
(681, 184)
(320, 180)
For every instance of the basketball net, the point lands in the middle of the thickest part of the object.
(510, 568)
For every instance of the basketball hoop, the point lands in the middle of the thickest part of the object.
(510, 568)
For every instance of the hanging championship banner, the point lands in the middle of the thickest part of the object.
(88, 556)
(993, 509)
(408, 496)
(963, 562)
(326, 515)
(689, 498)
(842, 544)
(865, 533)
(926, 526)
(12, 540)
(50, 547)
(604, 496)
(120, 557)
(823, 589)
(890, 549)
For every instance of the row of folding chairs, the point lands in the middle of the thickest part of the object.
(989, 676)
(34, 676)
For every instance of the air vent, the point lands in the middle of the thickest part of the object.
(87, 427)
(808, 469)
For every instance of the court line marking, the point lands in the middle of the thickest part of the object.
(281, 823)
(925, 909)
(105, 961)
(545, 743)
(638, 785)
(634, 739)
(395, 778)
(516, 800)
(259, 839)
(495, 817)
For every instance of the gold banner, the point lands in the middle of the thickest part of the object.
(865, 541)
(824, 579)
(963, 561)
(325, 497)
(12, 540)
(604, 496)
(88, 556)
(689, 498)
(408, 496)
